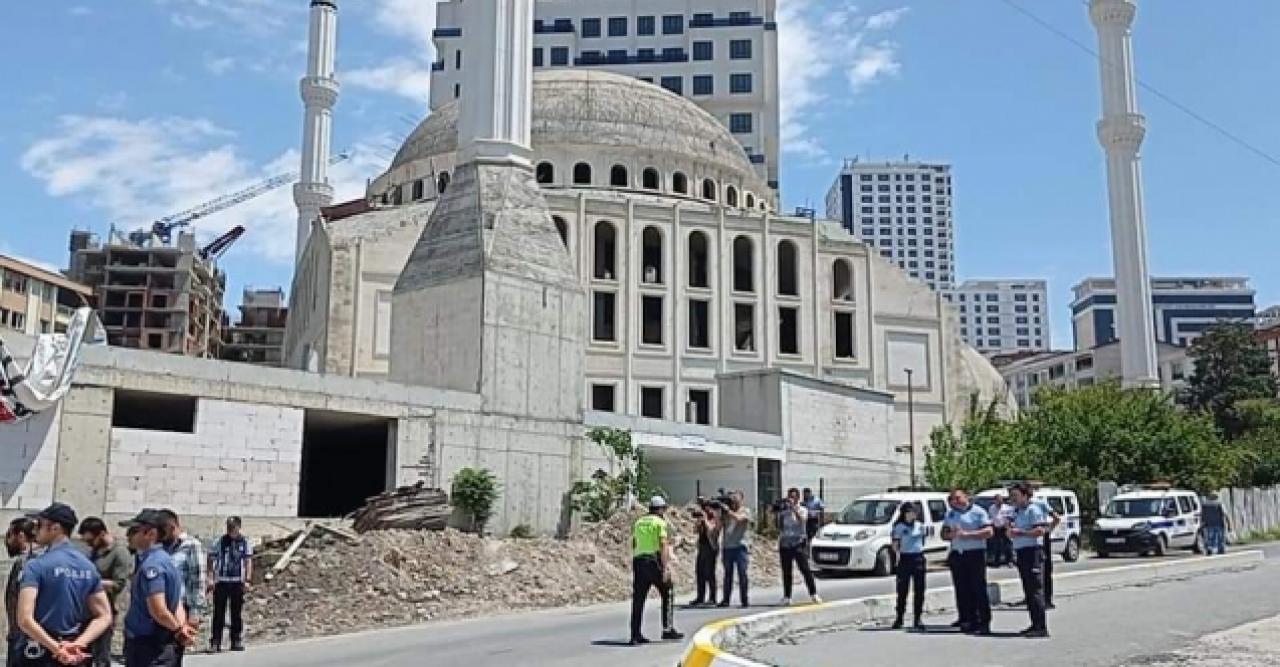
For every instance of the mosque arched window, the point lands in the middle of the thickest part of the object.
(651, 260)
(582, 174)
(699, 260)
(442, 182)
(618, 177)
(546, 172)
(605, 259)
(788, 269)
(709, 189)
(744, 279)
(650, 179)
(680, 183)
(751, 200)
(841, 280)
(731, 196)
(562, 228)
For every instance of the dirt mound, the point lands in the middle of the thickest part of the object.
(386, 578)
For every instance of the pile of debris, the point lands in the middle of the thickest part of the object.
(407, 508)
(328, 580)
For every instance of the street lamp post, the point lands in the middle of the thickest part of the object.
(911, 425)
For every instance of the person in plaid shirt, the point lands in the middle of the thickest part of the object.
(188, 555)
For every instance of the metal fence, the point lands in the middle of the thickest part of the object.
(1252, 510)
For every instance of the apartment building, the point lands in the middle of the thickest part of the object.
(1003, 316)
(35, 300)
(258, 338)
(1183, 306)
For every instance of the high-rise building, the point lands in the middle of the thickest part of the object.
(1182, 307)
(1067, 369)
(35, 300)
(720, 54)
(903, 210)
(258, 338)
(1003, 316)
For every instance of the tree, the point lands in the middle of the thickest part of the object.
(606, 493)
(1260, 443)
(1230, 366)
(475, 490)
(985, 451)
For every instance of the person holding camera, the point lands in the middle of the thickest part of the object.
(793, 541)
(736, 519)
(708, 550)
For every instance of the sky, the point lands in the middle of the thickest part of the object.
(122, 111)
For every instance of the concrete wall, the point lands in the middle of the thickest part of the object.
(28, 461)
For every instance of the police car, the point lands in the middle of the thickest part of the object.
(1149, 520)
(1066, 538)
(859, 539)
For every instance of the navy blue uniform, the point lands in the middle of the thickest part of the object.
(64, 580)
(147, 644)
(968, 561)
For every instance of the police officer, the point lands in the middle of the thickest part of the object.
(652, 559)
(908, 543)
(17, 541)
(62, 608)
(155, 626)
(1054, 519)
(968, 527)
(1030, 525)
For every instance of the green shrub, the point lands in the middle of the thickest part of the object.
(475, 490)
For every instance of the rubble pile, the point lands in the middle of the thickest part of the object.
(341, 582)
(407, 508)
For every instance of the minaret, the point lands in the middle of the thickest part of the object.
(1120, 132)
(496, 107)
(319, 94)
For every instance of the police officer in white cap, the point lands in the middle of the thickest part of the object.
(652, 560)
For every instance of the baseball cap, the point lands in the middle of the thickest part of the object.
(57, 513)
(147, 517)
(657, 502)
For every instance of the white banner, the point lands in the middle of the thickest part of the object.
(49, 371)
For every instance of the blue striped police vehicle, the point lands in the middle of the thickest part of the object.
(1150, 519)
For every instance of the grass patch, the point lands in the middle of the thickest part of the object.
(1259, 536)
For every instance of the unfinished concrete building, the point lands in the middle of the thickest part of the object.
(164, 297)
(258, 338)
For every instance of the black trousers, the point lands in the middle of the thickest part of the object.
(228, 595)
(969, 576)
(1031, 571)
(154, 651)
(999, 548)
(910, 574)
(799, 556)
(1048, 569)
(647, 573)
(705, 573)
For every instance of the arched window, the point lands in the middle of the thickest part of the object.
(751, 200)
(546, 172)
(788, 278)
(562, 228)
(606, 252)
(651, 247)
(651, 180)
(841, 281)
(709, 189)
(679, 183)
(731, 196)
(442, 182)
(743, 265)
(699, 261)
(618, 176)
(582, 174)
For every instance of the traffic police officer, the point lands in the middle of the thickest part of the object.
(62, 608)
(1054, 519)
(155, 626)
(652, 559)
(908, 543)
(968, 528)
(1030, 525)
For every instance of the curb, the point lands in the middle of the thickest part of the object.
(711, 645)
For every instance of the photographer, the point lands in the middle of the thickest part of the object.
(792, 517)
(708, 549)
(736, 519)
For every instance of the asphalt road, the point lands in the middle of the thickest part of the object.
(1124, 626)
(555, 638)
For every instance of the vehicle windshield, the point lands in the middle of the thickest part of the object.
(870, 512)
(985, 502)
(1134, 507)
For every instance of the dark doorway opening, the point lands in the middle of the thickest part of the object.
(345, 459)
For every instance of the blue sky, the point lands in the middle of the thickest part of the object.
(123, 111)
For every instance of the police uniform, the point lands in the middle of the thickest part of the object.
(1031, 557)
(1048, 549)
(647, 536)
(147, 643)
(910, 571)
(968, 561)
(64, 580)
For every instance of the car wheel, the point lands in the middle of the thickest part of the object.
(1162, 546)
(1198, 546)
(884, 563)
(1072, 553)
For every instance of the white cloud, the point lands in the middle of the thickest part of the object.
(80, 10)
(401, 76)
(886, 19)
(219, 65)
(405, 75)
(872, 63)
(255, 17)
(137, 171)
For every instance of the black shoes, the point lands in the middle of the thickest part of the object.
(215, 647)
(979, 631)
(237, 646)
(1035, 633)
(918, 625)
(1050, 605)
(897, 622)
(639, 640)
(672, 634)
(723, 605)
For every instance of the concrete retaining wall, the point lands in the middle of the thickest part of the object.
(1252, 510)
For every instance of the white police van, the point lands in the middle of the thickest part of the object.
(1067, 536)
(859, 539)
(1149, 520)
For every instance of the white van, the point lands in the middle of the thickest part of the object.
(1066, 538)
(859, 539)
(1149, 520)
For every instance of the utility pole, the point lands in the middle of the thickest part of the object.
(911, 424)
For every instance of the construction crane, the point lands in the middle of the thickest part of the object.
(163, 228)
(219, 245)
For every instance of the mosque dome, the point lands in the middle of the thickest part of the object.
(600, 129)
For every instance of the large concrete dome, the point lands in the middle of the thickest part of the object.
(610, 123)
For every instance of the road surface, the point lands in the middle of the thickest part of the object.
(580, 637)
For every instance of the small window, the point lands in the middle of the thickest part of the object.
(679, 183)
(743, 265)
(618, 177)
(546, 172)
(149, 411)
(731, 196)
(844, 335)
(699, 260)
(673, 24)
(650, 179)
(590, 27)
(605, 251)
(698, 410)
(842, 281)
(602, 397)
(788, 269)
(699, 324)
(751, 200)
(604, 317)
(740, 49)
(651, 247)
(582, 174)
(704, 50)
(419, 189)
(709, 189)
(789, 331)
(740, 123)
(645, 25)
(744, 327)
(618, 26)
(442, 182)
(704, 84)
(537, 57)
(651, 320)
(559, 56)
(740, 83)
(651, 402)
(674, 84)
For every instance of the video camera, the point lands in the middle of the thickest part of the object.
(720, 501)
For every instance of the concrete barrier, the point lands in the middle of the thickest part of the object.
(714, 645)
